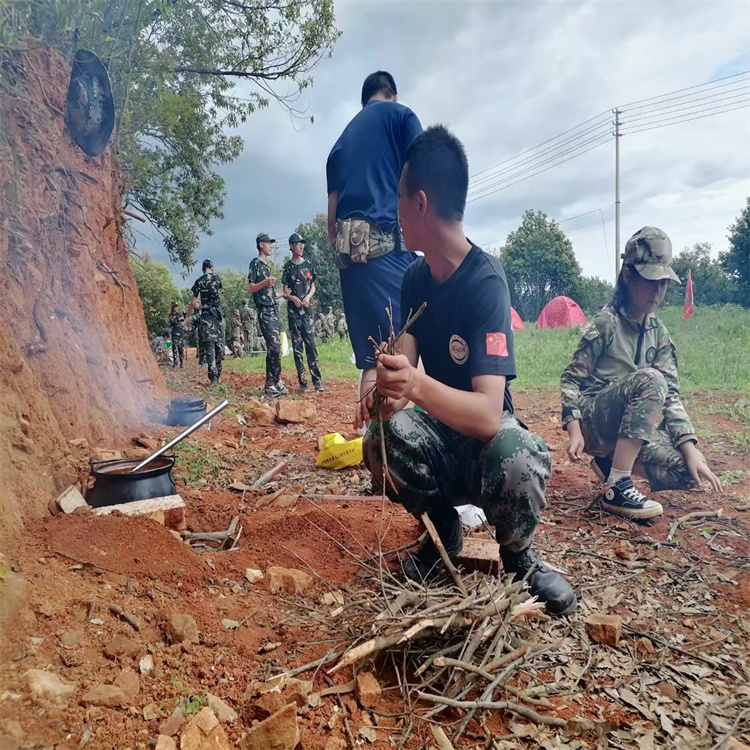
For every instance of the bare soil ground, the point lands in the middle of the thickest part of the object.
(689, 595)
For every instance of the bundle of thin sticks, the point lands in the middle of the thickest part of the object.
(390, 346)
(455, 649)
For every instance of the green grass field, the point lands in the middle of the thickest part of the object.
(713, 348)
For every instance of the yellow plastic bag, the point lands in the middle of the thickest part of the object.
(338, 453)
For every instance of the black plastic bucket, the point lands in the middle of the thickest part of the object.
(186, 411)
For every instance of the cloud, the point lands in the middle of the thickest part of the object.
(504, 77)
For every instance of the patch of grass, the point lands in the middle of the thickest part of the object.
(334, 356)
(197, 461)
(734, 476)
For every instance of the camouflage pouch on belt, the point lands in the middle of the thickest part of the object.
(357, 240)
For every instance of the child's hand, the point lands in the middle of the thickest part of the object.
(698, 468)
(575, 441)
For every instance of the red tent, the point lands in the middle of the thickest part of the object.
(515, 319)
(561, 312)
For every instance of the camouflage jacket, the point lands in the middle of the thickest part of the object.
(175, 324)
(259, 270)
(208, 289)
(299, 277)
(613, 346)
(249, 316)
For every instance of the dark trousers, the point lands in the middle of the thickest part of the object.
(303, 337)
(178, 351)
(268, 319)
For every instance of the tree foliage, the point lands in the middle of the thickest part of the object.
(593, 293)
(174, 67)
(539, 263)
(318, 250)
(736, 260)
(156, 289)
(711, 284)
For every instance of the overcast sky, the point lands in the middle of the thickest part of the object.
(506, 76)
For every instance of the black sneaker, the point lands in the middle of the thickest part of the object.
(303, 388)
(601, 466)
(273, 390)
(319, 387)
(425, 565)
(282, 389)
(624, 499)
(546, 585)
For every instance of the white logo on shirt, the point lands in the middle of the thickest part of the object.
(459, 349)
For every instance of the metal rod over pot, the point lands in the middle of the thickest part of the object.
(181, 436)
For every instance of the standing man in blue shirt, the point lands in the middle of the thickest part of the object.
(363, 171)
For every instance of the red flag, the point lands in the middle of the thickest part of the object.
(689, 309)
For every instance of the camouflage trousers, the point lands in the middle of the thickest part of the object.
(268, 319)
(213, 346)
(434, 466)
(632, 408)
(236, 346)
(249, 340)
(303, 337)
(178, 351)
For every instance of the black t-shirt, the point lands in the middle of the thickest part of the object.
(466, 327)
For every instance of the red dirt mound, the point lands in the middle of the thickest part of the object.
(74, 354)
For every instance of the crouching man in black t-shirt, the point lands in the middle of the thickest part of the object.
(468, 447)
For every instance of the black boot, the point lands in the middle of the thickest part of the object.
(545, 584)
(425, 564)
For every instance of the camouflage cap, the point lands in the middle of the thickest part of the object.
(175, 304)
(295, 237)
(649, 251)
(263, 237)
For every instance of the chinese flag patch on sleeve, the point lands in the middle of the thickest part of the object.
(497, 345)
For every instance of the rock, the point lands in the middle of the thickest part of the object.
(667, 690)
(129, 683)
(644, 649)
(296, 691)
(79, 443)
(230, 624)
(15, 730)
(263, 415)
(224, 712)
(278, 732)
(292, 411)
(268, 704)
(172, 725)
(606, 629)
(204, 733)
(335, 743)
(46, 686)
(71, 638)
(332, 599)
(165, 743)
(109, 696)
(368, 733)
(54, 510)
(71, 658)
(47, 609)
(70, 500)
(366, 689)
(253, 575)
(146, 664)
(146, 441)
(182, 629)
(121, 648)
(288, 580)
(733, 744)
(14, 594)
(624, 549)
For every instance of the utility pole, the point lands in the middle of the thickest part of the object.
(617, 194)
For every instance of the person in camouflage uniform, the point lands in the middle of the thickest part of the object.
(249, 321)
(237, 337)
(261, 286)
(320, 327)
(466, 446)
(343, 328)
(207, 291)
(621, 392)
(176, 319)
(330, 324)
(200, 350)
(298, 284)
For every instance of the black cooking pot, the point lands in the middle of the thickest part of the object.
(186, 410)
(114, 484)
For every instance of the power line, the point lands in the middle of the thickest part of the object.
(533, 174)
(595, 129)
(737, 86)
(688, 88)
(543, 143)
(712, 113)
(692, 108)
